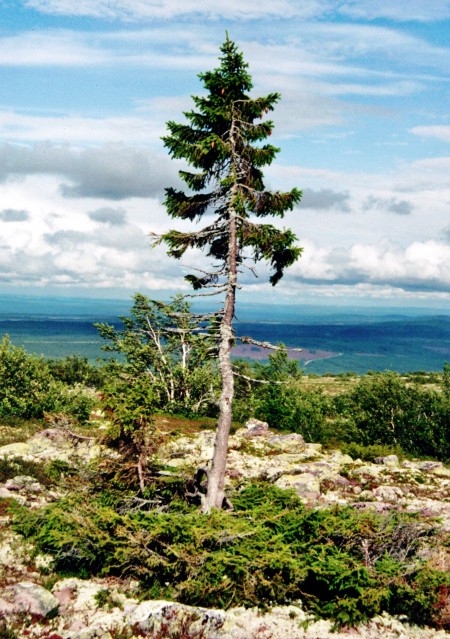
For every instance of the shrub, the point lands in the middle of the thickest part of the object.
(78, 401)
(12, 466)
(343, 564)
(74, 369)
(46, 474)
(289, 408)
(27, 388)
(382, 409)
(161, 341)
(369, 453)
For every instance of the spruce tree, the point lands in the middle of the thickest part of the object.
(222, 141)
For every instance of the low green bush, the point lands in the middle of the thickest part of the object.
(47, 474)
(371, 452)
(13, 466)
(291, 409)
(74, 369)
(382, 409)
(27, 388)
(344, 565)
(77, 401)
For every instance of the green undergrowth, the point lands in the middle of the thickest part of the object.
(46, 473)
(16, 429)
(342, 564)
(371, 452)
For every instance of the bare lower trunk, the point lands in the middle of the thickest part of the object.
(215, 495)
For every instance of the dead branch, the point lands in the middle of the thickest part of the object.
(75, 436)
(258, 381)
(249, 340)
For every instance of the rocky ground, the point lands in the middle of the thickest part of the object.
(84, 609)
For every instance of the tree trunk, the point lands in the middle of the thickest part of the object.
(215, 495)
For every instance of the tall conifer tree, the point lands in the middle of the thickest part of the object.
(223, 142)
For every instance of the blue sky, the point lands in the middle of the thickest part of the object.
(363, 126)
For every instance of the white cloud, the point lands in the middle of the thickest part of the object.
(416, 10)
(79, 129)
(420, 265)
(49, 48)
(142, 9)
(413, 10)
(440, 132)
(112, 172)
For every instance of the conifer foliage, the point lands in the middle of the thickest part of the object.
(223, 142)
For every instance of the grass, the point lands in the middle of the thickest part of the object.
(333, 385)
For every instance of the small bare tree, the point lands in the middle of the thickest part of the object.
(222, 142)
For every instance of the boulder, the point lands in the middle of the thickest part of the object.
(28, 597)
(255, 427)
(292, 443)
(388, 493)
(173, 619)
(23, 483)
(388, 460)
(306, 485)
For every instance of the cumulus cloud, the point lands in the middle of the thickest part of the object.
(106, 215)
(112, 172)
(325, 199)
(389, 205)
(14, 215)
(421, 266)
(105, 256)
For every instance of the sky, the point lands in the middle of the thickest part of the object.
(363, 127)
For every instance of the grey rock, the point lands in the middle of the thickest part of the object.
(291, 443)
(388, 460)
(7, 494)
(255, 427)
(160, 616)
(379, 507)
(306, 485)
(28, 597)
(18, 449)
(388, 493)
(23, 483)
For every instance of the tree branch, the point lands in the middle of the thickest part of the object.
(249, 340)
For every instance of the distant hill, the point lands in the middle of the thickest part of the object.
(335, 339)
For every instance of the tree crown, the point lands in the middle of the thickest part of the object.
(223, 140)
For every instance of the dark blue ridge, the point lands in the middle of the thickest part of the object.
(336, 346)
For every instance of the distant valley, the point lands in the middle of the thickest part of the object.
(334, 340)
